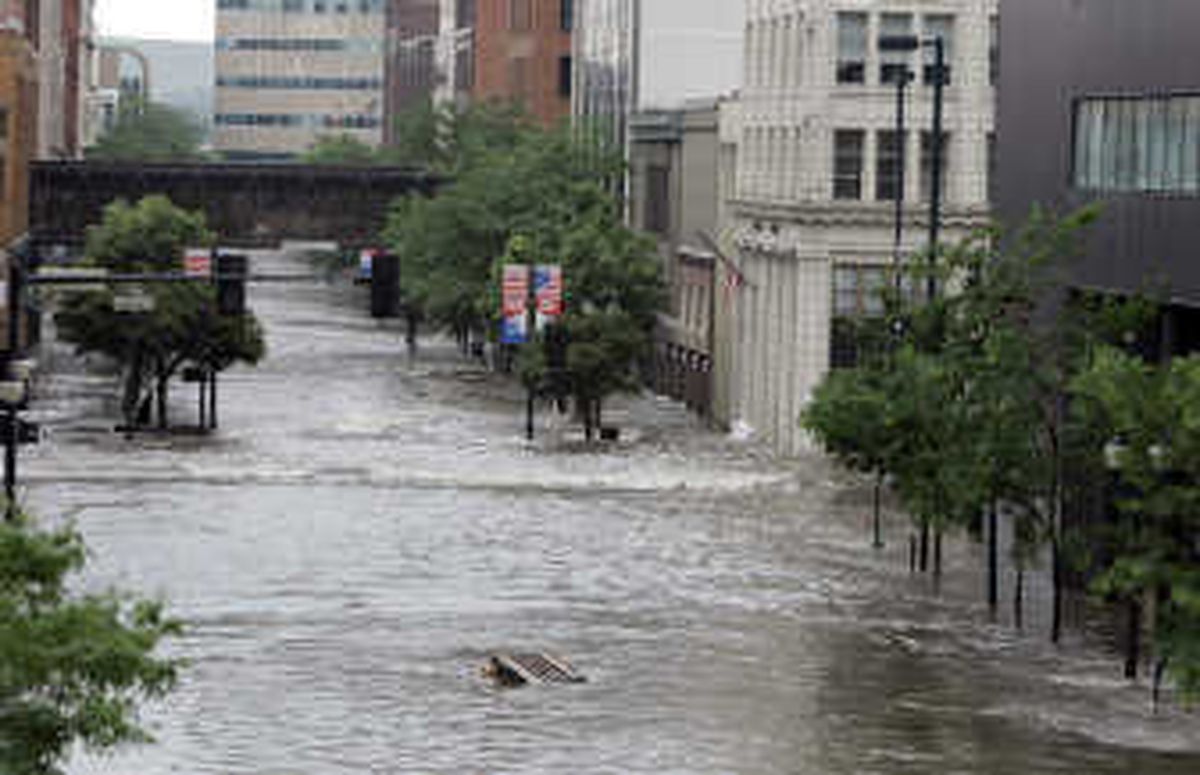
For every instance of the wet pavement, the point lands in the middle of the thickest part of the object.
(365, 530)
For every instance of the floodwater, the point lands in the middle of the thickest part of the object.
(365, 530)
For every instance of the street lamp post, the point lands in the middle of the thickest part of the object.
(909, 43)
(903, 78)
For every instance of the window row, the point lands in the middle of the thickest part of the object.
(854, 43)
(849, 151)
(360, 45)
(521, 15)
(304, 6)
(298, 120)
(1138, 145)
(336, 84)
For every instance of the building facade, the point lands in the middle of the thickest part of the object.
(289, 72)
(820, 165)
(19, 37)
(65, 73)
(523, 55)
(606, 44)
(1100, 102)
(430, 55)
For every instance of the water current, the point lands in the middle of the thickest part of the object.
(365, 529)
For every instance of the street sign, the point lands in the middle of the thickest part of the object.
(197, 262)
(76, 278)
(514, 325)
(133, 302)
(548, 294)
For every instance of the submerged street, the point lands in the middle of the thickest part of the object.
(365, 530)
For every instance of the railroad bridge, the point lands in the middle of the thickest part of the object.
(244, 203)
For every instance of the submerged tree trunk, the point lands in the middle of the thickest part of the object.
(163, 393)
(993, 550)
(924, 554)
(132, 399)
(1133, 645)
(1019, 600)
(1056, 574)
(877, 527)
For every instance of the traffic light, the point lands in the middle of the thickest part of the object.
(231, 283)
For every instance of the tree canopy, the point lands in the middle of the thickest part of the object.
(520, 194)
(184, 326)
(75, 665)
(150, 132)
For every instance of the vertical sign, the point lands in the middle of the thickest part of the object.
(548, 293)
(514, 327)
(197, 262)
(366, 263)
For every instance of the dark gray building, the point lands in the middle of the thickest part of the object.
(1100, 101)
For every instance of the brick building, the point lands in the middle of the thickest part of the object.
(523, 54)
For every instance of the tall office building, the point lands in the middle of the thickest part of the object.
(606, 48)
(819, 164)
(291, 71)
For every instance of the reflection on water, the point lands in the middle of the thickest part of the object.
(365, 530)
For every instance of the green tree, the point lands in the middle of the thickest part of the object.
(341, 149)
(73, 667)
(150, 132)
(1150, 550)
(184, 327)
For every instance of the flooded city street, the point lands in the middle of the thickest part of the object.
(365, 530)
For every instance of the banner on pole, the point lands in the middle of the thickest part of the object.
(514, 324)
(548, 294)
(366, 263)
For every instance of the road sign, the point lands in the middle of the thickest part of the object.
(514, 325)
(197, 262)
(76, 278)
(133, 302)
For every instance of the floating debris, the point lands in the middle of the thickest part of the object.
(513, 670)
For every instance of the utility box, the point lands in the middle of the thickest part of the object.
(385, 285)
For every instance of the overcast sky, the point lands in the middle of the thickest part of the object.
(692, 48)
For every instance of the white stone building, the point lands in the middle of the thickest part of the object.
(813, 209)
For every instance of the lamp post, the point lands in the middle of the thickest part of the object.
(908, 43)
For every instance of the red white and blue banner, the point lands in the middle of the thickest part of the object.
(514, 323)
(548, 294)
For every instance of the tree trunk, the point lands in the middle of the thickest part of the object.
(993, 529)
(162, 390)
(1056, 613)
(1133, 645)
(937, 554)
(585, 406)
(1019, 600)
(924, 554)
(877, 527)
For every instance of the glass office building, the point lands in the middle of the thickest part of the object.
(607, 35)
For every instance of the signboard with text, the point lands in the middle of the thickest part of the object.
(514, 323)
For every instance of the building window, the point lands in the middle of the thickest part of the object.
(895, 65)
(847, 163)
(658, 194)
(939, 26)
(565, 76)
(520, 15)
(927, 164)
(1138, 145)
(852, 47)
(889, 153)
(566, 15)
(857, 297)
